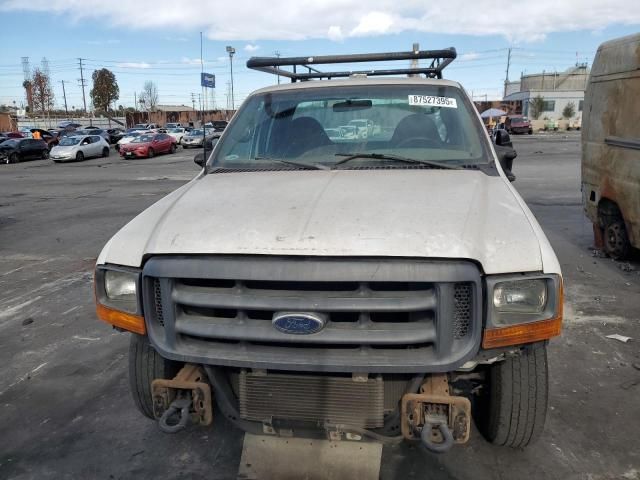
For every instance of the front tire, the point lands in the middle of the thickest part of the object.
(105, 152)
(13, 158)
(45, 154)
(145, 365)
(79, 157)
(173, 148)
(151, 153)
(516, 402)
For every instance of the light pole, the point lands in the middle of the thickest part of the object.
(231, 51)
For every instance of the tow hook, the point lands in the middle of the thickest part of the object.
(184, 399)
(434, 417)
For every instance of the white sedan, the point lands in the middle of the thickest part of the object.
(128, 138)
(79, 147)
(177, 133)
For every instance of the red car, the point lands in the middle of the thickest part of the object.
(518, 125)
(148, 145)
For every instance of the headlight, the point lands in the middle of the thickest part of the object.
(117, 288)
(117, 300)
(120, 285)
(523, 296)
(521, 299)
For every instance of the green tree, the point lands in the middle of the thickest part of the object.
(569, 110)
(105, 89)
(536, 106)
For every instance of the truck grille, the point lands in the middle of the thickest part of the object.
(385, 314)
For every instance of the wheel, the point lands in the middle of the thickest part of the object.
(151, 153)
(616, 240)
(45, 154)
(145, 365)
(515, 406)
(13, 158)
(530, 132)
(105, 152)
(185, 146)
(79, 157)
(173, 148)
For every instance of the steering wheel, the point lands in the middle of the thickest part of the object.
(417, 141)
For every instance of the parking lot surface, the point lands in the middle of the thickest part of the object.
(65, 408)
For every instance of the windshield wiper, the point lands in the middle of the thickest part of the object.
(396, 158)
(309, 166)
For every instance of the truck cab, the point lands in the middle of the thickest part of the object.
(353, 289)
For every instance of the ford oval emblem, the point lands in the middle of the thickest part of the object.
(298, 323)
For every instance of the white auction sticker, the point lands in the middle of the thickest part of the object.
(432, 101)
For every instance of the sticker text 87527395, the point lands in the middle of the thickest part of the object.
(432, 101)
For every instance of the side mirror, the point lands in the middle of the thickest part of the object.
(199, 159)
(502, 138)
(506, 155)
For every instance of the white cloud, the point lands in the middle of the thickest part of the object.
(134, 65)
(335, 19)
(335, 33)
(465, 57)
(190, 61)
(250, 47)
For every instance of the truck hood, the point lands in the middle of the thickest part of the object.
(405, 213)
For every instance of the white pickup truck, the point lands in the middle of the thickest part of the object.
(373, 288)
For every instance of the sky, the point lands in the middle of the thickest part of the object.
(159, 40)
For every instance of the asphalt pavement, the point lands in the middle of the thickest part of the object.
(65, 407)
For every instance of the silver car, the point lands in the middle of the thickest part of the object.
(79, 147)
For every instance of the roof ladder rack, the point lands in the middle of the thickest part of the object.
(301, 67)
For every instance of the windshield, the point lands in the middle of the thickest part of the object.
(175, 130)
(9, 143)
(139, 125)
(517, 120)
(195, 133)
(320, 126)
(133, 134)
(143, 139)
(68, 141)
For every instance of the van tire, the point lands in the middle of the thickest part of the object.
(517, 397)
(616, 240)
(145, 365)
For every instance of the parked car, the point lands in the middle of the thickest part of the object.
(93, 131)
(128, 137)
(177, 133)
(46, 135)
(115, 134)
(193, 138)
(611, 147)
(174, 125)
(13, 134)
(145, 126)
(16, 150)
(352, 290)
(148, 145)
(518, 124)
(79, 147)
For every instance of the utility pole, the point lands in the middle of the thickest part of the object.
(231, 51)
(82, 84)
(193, 100)
(506, 80)
(64, 95)
(277, 54)
(414, 62)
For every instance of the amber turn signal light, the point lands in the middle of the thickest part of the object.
(126, 321)
(523, 333)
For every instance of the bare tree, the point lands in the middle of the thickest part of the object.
(43, 98)
(149, 96)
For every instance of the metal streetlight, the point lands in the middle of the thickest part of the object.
(231, 51)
